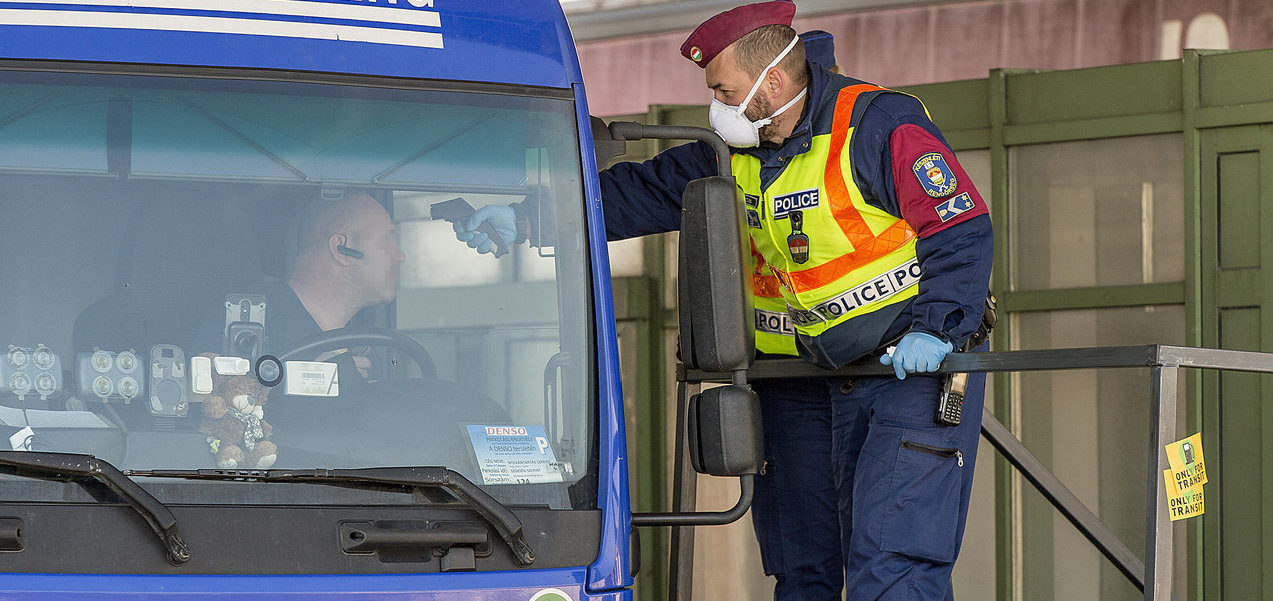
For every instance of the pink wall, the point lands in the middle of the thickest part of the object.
(945, 42)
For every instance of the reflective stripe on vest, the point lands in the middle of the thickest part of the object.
(857, 258)
(774, 333)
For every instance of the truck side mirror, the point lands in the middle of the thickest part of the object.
(717, 331)
(604, 145)
(725, 432)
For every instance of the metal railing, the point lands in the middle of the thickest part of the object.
(1152, 576)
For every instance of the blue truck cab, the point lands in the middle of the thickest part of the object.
(173, 426)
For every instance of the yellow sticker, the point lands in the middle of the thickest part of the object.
(1187, 468)
(1182, 505)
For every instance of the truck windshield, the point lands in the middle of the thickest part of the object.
(202, 273)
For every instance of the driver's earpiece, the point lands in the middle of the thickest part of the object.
(349, 252)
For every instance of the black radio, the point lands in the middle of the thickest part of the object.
(950, 405)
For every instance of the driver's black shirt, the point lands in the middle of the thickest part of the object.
(287, 321)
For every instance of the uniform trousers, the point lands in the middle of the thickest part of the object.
(862, 489)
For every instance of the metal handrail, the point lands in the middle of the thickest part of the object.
(1147, 355)
(1164, 361)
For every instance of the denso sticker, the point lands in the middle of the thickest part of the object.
(796, 201)
(516, 455)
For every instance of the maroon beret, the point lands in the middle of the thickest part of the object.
(717, 33)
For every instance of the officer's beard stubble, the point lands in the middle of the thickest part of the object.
(759, 109)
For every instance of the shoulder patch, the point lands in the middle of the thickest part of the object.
(934, 175)
(954, 207)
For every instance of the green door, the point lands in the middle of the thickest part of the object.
(1237, 293)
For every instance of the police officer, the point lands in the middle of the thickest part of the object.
(874, 234)
(794, 510)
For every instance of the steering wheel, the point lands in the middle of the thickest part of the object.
(349, 337)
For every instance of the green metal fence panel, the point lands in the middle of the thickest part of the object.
(1120, 90)
(1235, 78)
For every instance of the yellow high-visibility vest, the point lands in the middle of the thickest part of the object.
(833, 255)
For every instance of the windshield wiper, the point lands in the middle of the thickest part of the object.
(497, 515)
(76, 466)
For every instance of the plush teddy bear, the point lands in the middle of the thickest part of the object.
(234, 424)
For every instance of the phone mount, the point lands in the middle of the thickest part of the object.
(244, 327)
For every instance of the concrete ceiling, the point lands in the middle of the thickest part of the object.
(600, 19)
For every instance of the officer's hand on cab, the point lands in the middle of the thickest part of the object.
(917, 352)
(500, 217)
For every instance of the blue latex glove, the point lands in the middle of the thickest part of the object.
(500, 217)
(917, 352)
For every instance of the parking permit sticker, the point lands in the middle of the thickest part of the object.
(515, 455)
(311, 378)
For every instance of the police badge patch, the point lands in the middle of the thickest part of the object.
(934, 175)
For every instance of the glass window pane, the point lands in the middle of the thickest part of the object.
(1090, 428)
(313, 205)
(1097, 213)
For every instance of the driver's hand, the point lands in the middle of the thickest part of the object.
(500, 217)
(363, 364)
(361, 361)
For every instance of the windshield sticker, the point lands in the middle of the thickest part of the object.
(515, 455)
(22, 439)
(311, 378)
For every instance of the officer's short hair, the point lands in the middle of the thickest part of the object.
(756, 49)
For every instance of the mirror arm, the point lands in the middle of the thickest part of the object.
(631, 130)
(746, 486)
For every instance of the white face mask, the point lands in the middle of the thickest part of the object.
(734, 127)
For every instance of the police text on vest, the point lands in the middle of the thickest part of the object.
(796, 201)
